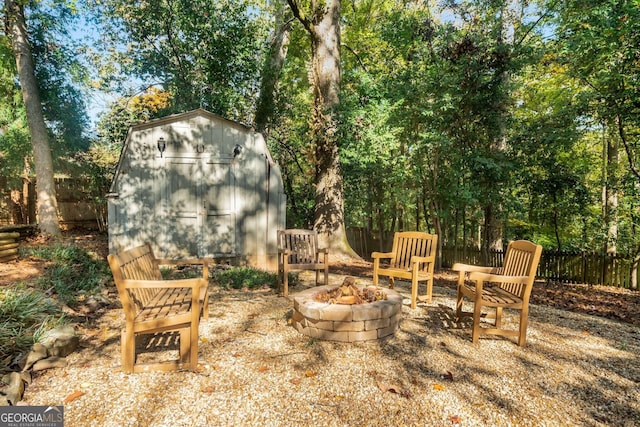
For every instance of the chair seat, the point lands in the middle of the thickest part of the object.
(403, 273)
(493, 296)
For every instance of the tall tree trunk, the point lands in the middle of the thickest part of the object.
(47, 204)
(610, 189)
(323, 26)
(271, 70)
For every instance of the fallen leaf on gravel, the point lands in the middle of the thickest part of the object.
(438, 387)
(392, 387)
(310, 374)
(237, 354)
(73, 396)
(208, 389)
(295, 381)
(455, 419)
(263, 368)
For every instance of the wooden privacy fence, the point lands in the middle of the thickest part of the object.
(568, 267)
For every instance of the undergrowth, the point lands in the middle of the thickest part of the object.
(25, 314)
(73, 271)
(245, 277)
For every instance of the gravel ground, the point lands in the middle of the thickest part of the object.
(256, 370)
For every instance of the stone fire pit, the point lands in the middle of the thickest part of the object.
(346, 323)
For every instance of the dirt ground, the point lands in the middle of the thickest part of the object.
(603, 301)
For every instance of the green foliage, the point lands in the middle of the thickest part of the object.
(24, 315)
(245, 277)
(206, 54)
(73, 271)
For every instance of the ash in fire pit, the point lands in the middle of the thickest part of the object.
(349, 293)
(347, 313)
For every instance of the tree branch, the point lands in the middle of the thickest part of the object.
(623, 138)
(300, 16)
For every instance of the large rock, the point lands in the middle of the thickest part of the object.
(48, 363)
(61, 341)
(12, 393)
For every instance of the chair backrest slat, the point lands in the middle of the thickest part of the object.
(521, 259)
(303, 245)
(412, 243)
(138, 263)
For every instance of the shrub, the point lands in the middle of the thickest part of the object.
(245, 277)
(25, 314)
(73, 270)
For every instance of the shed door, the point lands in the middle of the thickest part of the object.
(201, 207)
(183, 223)
(218, 233)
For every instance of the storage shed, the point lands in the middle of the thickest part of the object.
(197, 185)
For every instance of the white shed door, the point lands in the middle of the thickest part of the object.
(218, 233)
(201, 207)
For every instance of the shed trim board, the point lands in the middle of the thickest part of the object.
(197, 185)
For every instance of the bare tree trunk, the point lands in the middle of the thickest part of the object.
(47, 204)
(272, 68)
(323, 26)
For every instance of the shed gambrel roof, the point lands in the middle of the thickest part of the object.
(178, 117)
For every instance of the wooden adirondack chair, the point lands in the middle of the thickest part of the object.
(508, 287)
(412, 257)
(298, 250)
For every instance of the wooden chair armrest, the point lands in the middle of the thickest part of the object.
(422, 259)
(178, 283)
(467, 268)
(323, 251)
(478, 276)
(382, 255)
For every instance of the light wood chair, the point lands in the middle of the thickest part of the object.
(153, 305)
(298, 250)
(508, 287)
(412, 257)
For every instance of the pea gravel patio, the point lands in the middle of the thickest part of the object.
(257, 370)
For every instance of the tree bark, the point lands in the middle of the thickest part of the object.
(323, 26)
(271, 70)
(47, 204)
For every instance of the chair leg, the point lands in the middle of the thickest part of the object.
(459, 305)
(392, 282)
(185, 348)
(326, 274)
(414, 291)
(285, 280)
(205, 307)
(193, 348)
(128, 344)
(498, 321)
(524, 320)
(429, 290)
(477, 311)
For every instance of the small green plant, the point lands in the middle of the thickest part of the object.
(25, 314)
(73, 270)
(245, 277)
